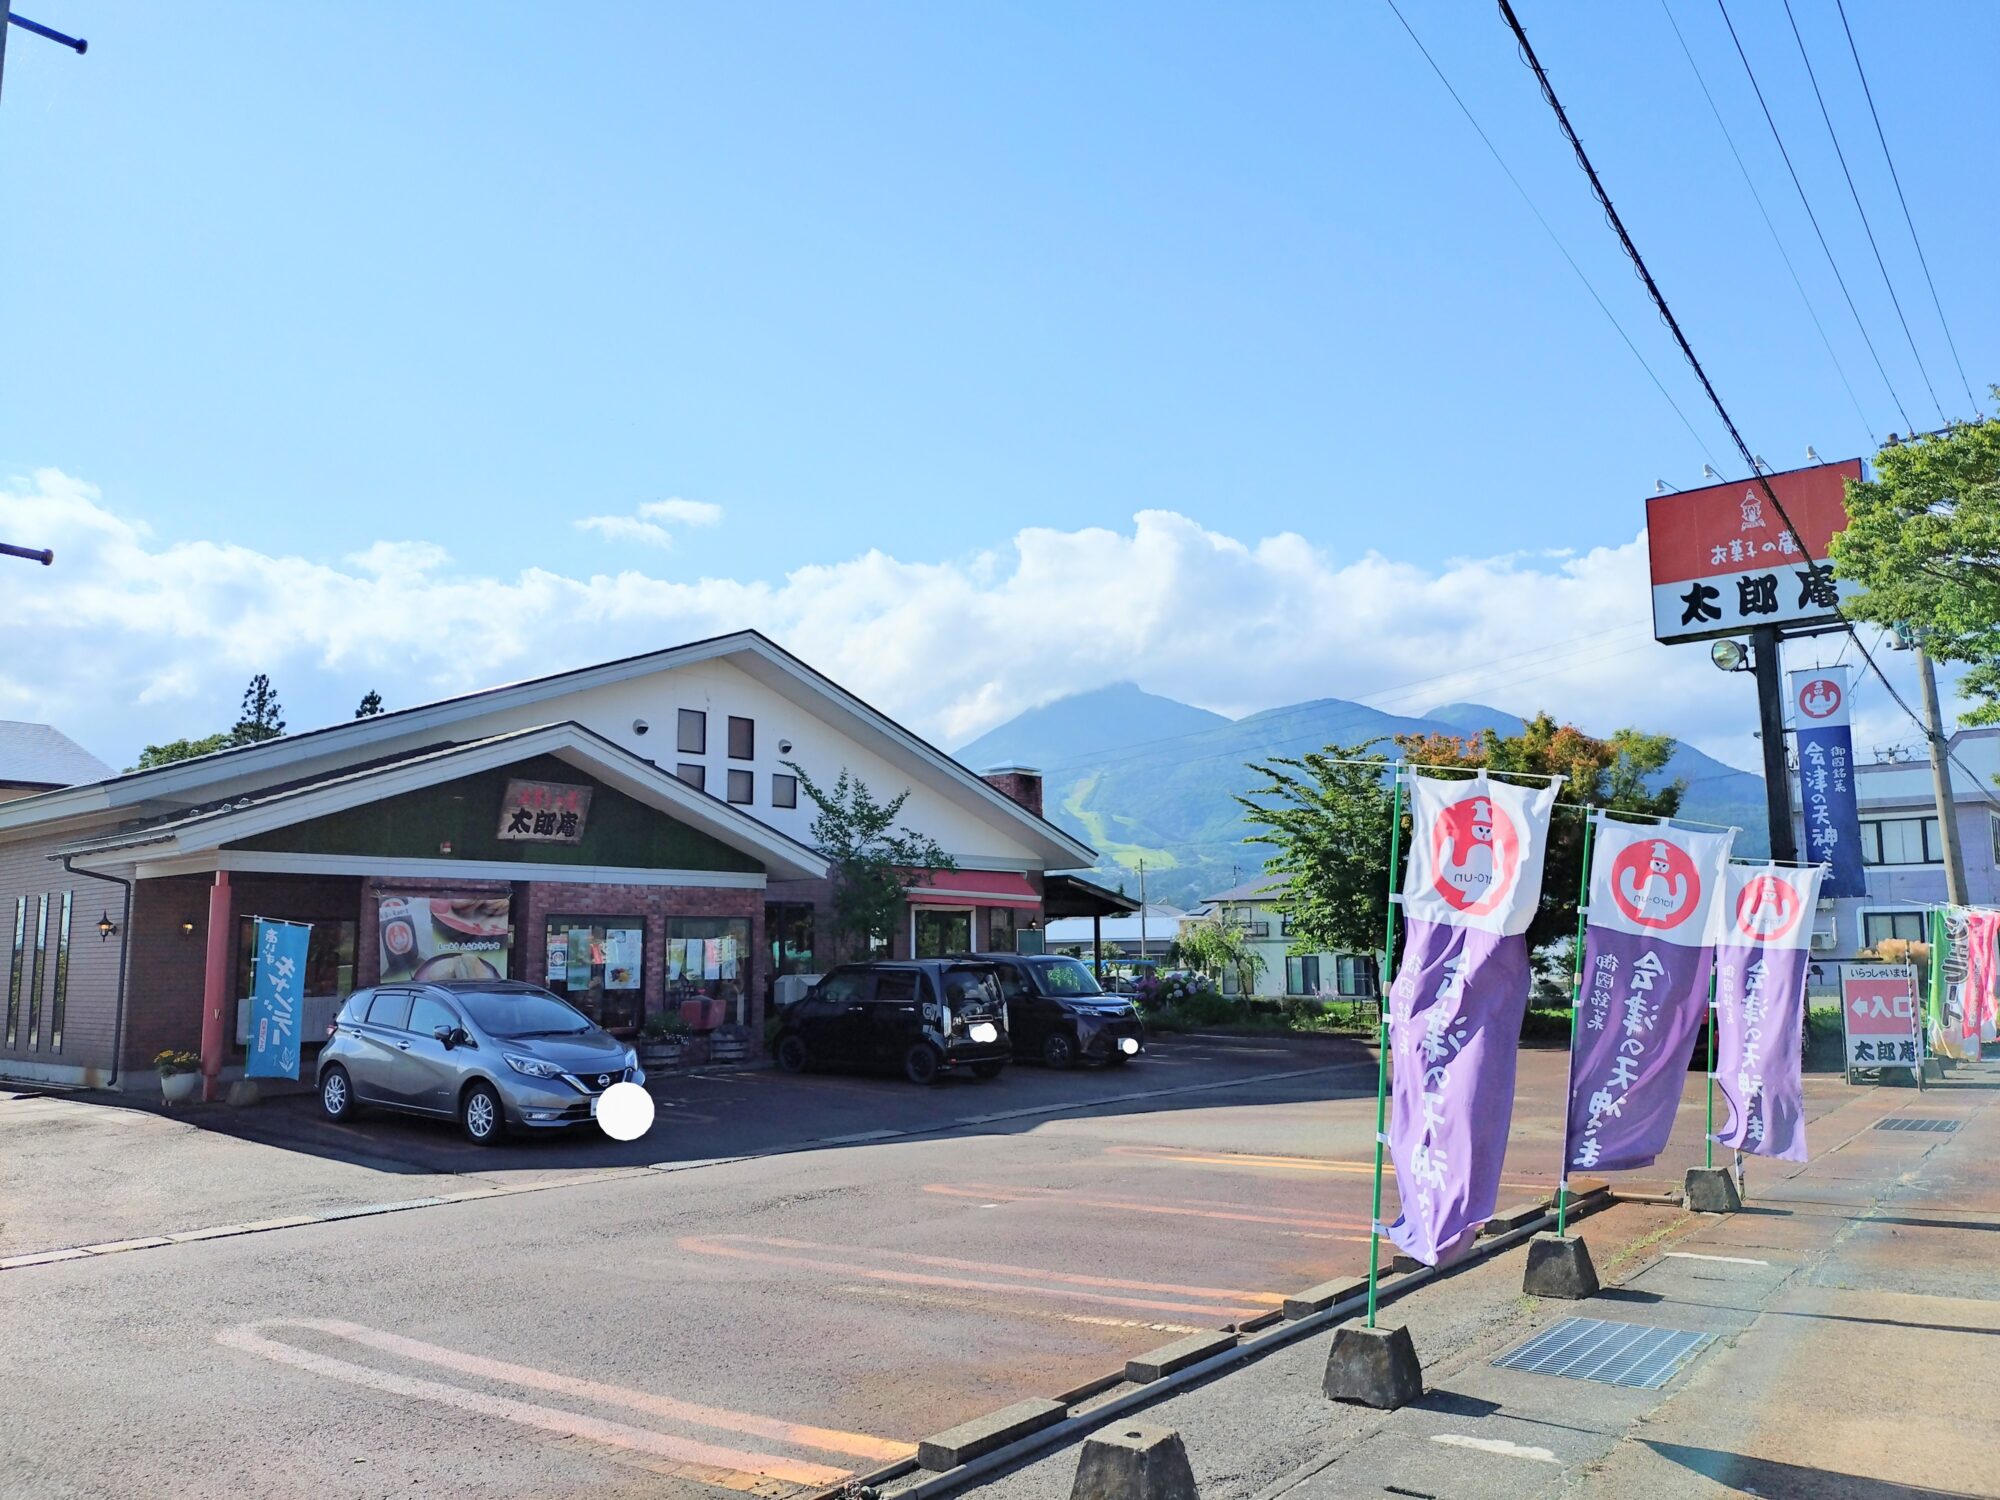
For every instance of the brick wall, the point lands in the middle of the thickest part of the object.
(90, 999)
(1020, 785)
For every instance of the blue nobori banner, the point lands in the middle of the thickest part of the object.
(1826, 779)
(275, 992)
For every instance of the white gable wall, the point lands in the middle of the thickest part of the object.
(969, 833)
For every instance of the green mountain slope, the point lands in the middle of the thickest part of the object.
(1141, 777)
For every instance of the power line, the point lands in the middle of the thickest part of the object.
(1751, 72)
(1895, 178)
(1758, 199)
(1553, 236)
(1687, 350)
(1855, 193)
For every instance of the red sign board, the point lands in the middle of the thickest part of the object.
(1723, 562)
(1878, 1005)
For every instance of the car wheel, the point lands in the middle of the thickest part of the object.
(336, 1094)
(1058, 1051)
(920, 1063)
(987, 1069)
(792, 1056)
(481, 1115)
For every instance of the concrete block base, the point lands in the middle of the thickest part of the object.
(1559, 1267)
(243, 1091)
(1373, 1367)
(1711, 1191)
(974, 1439)
(1132, 1461)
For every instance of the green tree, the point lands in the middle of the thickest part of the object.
(263, 717)
(173, 750)
(371, 705)
(1328, 820)
(1923, 540)
(1215, 948)
(875, 862)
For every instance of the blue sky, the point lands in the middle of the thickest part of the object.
(304, 279)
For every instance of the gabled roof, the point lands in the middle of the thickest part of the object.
(751, 651)
(1263, 888)
(41, 755)
(197, 829)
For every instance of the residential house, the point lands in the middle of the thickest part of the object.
(1253, 908)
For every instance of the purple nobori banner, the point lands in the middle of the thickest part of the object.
(1760, 990)
(1455, 1034)
(1643, 1001)
(1655, 902)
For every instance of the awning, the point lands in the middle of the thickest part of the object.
(974, 888)
(1073, 896)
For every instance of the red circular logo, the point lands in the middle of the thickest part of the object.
(1820, 698)
(1655, 883)
(1476, 852)
(1768, 909)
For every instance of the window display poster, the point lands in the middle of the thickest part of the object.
(726, 959)
(558, 970)
(579, 958)
(444, 937)
(693, 964)
(622, 947)
(676, 959)
(711, 960)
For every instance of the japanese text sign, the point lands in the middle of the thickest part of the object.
(1723, 561)
(1827, 794)
(1760, 987)
(276, 989)
(544, 812)
(1656, 903)
(1878, 1012)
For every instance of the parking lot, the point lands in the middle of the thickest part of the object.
(788, 1281)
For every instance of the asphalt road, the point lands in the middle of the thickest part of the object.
(678, 1316)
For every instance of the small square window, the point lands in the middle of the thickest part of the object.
(742, 738)
(742, 786)
(694, 732)
(694, 775)
(785, 793)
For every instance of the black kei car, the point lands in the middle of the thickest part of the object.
(921, 1017)
(1058, 1014)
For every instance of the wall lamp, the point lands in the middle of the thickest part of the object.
(105, 926)
(187, 929)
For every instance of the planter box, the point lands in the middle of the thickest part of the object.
(179, 1088)
(661, 1055)
(728, 1049)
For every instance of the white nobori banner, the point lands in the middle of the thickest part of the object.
(1658, 882)
(1476, 853)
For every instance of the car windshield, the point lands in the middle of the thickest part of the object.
(522, 1013)
(1065, 976)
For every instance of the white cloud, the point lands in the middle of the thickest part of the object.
(682, 512)
(128, 640)
(626, 529)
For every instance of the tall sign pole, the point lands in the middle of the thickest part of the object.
(1771, 734)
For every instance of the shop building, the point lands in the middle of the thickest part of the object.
(632, 834)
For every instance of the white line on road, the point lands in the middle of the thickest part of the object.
(1495, 1445)
(1727, 1260)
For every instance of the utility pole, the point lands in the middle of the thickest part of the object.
(1947, 811)
(1143, 954)
(1771, 721)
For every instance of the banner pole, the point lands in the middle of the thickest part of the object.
(1575, 1005)
(1708, 1143)
(1383, 983)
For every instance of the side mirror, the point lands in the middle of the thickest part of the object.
(460, 1037)
(448, 1035)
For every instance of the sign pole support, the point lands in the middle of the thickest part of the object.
(1575, 1005)
(1385, 983)
(1708, 1143)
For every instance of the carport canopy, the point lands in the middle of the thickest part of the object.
(1073, 896)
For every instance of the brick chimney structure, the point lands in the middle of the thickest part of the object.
(1022, 784)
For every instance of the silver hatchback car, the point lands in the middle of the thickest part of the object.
(495, 1054)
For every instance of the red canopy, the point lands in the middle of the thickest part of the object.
(973, 888)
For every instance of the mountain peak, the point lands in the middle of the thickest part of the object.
(1111, 717)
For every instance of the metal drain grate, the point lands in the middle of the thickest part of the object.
(1628, 1354)
(1937, 1127)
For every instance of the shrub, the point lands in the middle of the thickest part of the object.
(171, 1062)
(663, 1026)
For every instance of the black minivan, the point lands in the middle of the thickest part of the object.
(921, 1017)
(1059, 1014)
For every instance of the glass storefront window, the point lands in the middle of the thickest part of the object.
(943, 930)
(1002, 926)
(788, 927)
(598, 965)
(709, 957)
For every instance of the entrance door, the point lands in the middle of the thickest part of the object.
(941, 930)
